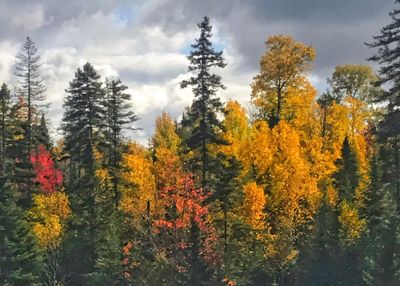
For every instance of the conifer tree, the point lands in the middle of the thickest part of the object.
(31, 86)
(346, 177)
(81, 125)
(19, 256)
(118, 117)
(382, 264)
(202, 115)
(41, 134)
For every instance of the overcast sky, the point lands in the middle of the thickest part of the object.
(145, 42)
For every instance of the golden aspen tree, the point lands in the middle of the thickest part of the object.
(253, 205)
(237, 134)
(293, 196)
(282, 69)
(138, 190)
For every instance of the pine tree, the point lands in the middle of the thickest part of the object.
(31, 86)
(202, 116)
(19, 256)
(5, 108)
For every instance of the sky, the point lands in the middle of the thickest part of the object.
(145, 43)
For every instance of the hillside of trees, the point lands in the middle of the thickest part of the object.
(302, 190)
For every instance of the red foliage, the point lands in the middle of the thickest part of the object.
(187, 202)
(48, 177)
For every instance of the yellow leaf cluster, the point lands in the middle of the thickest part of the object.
(352, 226)
(139, 183)
(49, 213)
(253, 205)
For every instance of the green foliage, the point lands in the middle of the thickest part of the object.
(19, 255)
(201, 118)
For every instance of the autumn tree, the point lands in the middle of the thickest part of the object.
(202, 117)
(49, 213)
(282, 72)
(357, 81)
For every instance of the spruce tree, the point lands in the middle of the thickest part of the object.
(19, 256)
(382, 264)
(81, 124)
(118, 117)
(346, 178)
(202, 116)
(41, 134)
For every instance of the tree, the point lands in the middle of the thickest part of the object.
(117, 117)
(347, 174)
(31, 86)
(83, 116)
(282, 72)
(202, 116)
(5, 109)
(387, 55)
(357, 81)
(47, 176)
(49, 214)
(41, 133)
(382, 264)
(19, 255)
(82, 124)
(138, 190)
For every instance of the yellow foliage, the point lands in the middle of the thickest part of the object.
(282, 70)
(332, 196)
(260, 149)
(294, 194)
(49, 213)
(164, 134)
(139, 183)
(352, 226)
(254, 205)
(237, 134)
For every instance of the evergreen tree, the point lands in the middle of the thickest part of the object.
(31, 86)
(108, 267)
(5, 108)
(199, 273)
(81, 125)
(383, 211)
(41, 134)
(346, 178)
(18, 152)
(19, 256)
(202, 116)
(118, 117)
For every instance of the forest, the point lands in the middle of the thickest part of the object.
(301, 189)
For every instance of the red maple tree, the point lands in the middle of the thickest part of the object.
(46, 175)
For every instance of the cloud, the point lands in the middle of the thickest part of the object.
(145, 42)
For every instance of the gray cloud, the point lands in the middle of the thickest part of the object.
(145, 42)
